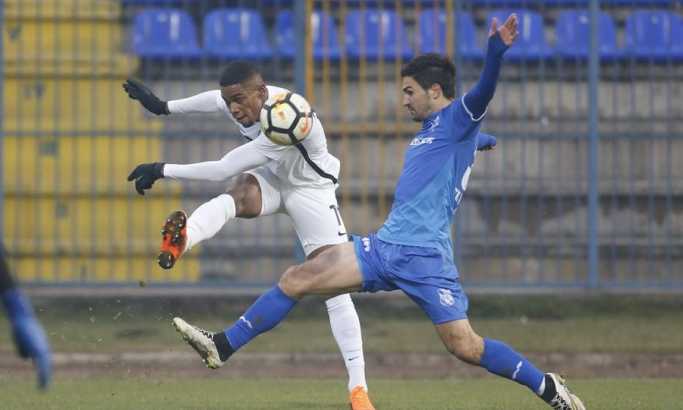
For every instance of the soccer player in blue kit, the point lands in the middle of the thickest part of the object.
(412, 251)
(27, 332)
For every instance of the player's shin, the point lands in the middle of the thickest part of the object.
(499, 358)
(208, 219)
(347, 333)
(264, 314)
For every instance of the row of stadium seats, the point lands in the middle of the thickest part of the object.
(381, 34)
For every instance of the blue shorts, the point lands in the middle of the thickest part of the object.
(420, 272)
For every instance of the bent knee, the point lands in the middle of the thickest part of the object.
(247, 195)
(468, 349)
(296, 281)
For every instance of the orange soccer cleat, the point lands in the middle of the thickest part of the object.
(173, 239)
(359, 399)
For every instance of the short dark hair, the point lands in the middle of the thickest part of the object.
(432, 68)
(237, 72)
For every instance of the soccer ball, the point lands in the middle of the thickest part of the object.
(286, 118)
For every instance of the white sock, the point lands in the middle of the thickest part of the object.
(208, 219)
(346, 330)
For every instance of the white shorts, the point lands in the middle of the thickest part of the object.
(314, 210)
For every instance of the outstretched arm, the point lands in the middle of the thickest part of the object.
(240, 159)
(206, 102)
(500, 38)
(202, 103)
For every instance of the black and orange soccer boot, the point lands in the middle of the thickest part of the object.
(173, 239)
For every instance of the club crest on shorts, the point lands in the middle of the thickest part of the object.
(366, 243)
(446, 297)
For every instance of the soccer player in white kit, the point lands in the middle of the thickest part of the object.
(297, 180)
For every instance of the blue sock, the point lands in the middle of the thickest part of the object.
(500, 359)
(263, 315)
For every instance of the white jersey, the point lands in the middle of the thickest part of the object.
(293, 165)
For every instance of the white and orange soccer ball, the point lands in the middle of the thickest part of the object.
(286, 118)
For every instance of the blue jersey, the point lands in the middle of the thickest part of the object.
(436, 169)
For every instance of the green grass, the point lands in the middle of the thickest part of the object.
(97, 332)
(177, 393)
(529, 325)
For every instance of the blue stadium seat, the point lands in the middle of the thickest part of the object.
(530, 3)
(573, 35)
(562, 3)
(375, 34)
(432, 3)
(654, 35)
(349, 3)
(637, 2)
(151, 2)
(164, 33)
(567, 3)
(530, 44)
(432, 34)
(511, 3)
(236, 33)
(325, 43)
(277, 3)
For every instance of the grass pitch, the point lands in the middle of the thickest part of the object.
(178, 393)
(530, 324)
(614, 324)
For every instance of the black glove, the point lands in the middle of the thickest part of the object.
(145, 175)
(138, 91)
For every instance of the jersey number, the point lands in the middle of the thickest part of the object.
(342, 230)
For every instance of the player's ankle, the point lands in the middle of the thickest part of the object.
(222, 346)
(550, 390)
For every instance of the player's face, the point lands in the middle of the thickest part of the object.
(415, 99)
(245, 100)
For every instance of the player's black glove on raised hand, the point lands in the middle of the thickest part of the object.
(145, 175)
(138, 91)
